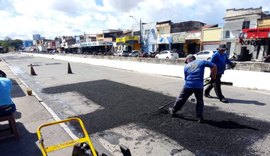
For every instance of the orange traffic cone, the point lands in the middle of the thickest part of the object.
(69, 69)
(32, 70)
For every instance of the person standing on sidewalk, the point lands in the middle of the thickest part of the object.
(6, 104)
(194, 77)
(219, 58)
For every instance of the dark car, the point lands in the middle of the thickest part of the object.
(108, 53)
(125, 53)
(135, 53)
(153, 54)
(144, 55)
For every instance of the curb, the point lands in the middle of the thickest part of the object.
(52, 113)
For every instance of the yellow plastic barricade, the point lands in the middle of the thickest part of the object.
(45, 150)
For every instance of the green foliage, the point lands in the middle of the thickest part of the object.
(11, 44)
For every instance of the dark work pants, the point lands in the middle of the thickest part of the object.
(185, 94)
(217, 87)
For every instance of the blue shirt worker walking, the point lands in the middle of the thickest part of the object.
(6, 104)
(194, 79)
(219, 58)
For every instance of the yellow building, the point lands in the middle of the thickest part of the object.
(263, 23)
(100, 37)
(211, 38)
(128, 43)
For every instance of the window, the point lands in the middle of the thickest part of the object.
(200, 53)
(227, 34)
(229, 48)
(147, 32)
(136, 33)
(246, 24)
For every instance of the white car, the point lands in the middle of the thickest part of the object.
(167, 54)
(204, 55)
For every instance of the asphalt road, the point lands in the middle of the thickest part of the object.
(120, 106)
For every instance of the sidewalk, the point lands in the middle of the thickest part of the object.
(29, 115)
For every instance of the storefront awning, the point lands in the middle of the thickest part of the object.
(93, 44)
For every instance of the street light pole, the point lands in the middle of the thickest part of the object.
(141, 39)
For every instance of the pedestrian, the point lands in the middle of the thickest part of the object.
(6, 104)
(219, 58)
(194, 77)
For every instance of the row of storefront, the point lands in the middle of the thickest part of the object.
(182, 42)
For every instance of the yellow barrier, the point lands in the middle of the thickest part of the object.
(45, 150)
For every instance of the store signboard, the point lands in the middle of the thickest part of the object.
(193, 35)
(164, 40)
(99, 43)
(178, 38)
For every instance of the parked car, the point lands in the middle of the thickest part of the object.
(153, 54)
(135, 53)
(204, 55)
(118, 53)
(108, 53)
(144, 54)
(167, 54)
(125, 53)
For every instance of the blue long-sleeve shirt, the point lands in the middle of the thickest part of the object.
(5, 91)
(220, 60)
(194, 72)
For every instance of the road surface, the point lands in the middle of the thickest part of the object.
(120, 107)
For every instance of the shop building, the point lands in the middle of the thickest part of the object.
(235, 21)
(211, 38)
(150, 37)
(164, 38)
(186, 37)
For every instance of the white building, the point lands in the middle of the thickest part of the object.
(235, 21)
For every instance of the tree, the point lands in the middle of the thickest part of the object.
(8, 43)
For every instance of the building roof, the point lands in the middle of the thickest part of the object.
(243, 9)
(210, 26)
(163, 22)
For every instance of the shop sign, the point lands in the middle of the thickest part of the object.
(193, 35)
(131, 38)
(91, 44)
(178, 38)
(164, 40)
(254, 33)
(120, 40)
(86, 44)
(255, 42)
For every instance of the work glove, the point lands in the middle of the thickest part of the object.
(233, 65)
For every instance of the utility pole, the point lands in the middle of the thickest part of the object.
(141, 36)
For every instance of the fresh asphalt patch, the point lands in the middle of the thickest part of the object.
(223, 133)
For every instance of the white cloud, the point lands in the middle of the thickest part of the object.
(50, 18)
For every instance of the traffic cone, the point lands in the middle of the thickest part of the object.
(32, 70)
(69, 69)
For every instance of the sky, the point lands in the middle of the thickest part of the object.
(20, 19)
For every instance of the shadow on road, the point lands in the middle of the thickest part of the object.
(24, 147)
(219, 124)
(241, 101)
(16, 90)
(224, 133)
